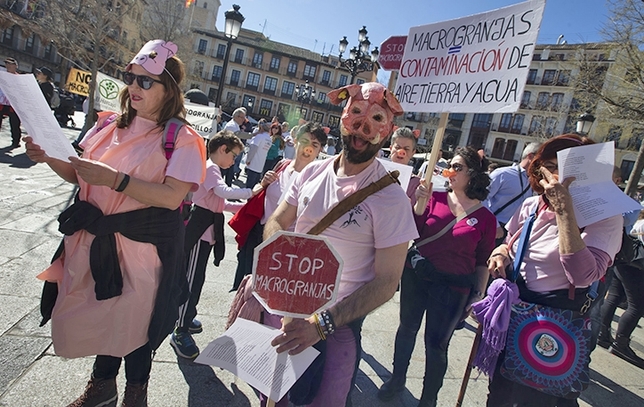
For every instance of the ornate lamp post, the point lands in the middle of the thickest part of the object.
(585, 123)
(359, 59)
(305, 94)
(234, 20)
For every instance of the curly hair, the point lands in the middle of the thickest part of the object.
(476, 170)
(548, 151)
(173, 105)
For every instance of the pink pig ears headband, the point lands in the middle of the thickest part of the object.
(153, 56)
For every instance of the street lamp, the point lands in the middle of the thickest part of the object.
(305, 94)
(584, 123)
(234, 20)
(359, 59)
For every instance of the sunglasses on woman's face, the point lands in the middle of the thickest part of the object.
(144, 81)
(456, 167)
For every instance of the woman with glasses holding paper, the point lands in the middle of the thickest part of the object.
(560, 263)
(113, 288)
(444, 272)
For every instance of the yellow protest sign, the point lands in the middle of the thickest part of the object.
(78, 81)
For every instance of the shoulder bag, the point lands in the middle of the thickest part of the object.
(547, 347)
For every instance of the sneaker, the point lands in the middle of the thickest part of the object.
(184, 345)
(98, 393)
(195, 327)
(391, 387)
(136, 395)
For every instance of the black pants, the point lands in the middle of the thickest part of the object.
(196, 273)
(442, 307)
(14, 122)
(138, 365)
(627, 281)
(228, 174)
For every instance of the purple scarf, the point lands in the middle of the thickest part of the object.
(494, 313)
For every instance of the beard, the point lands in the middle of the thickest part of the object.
(358, 157)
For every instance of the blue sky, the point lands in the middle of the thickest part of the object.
(318, 25)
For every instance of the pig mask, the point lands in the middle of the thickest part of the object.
(369, 112)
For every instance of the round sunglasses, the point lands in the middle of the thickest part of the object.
(144, 81)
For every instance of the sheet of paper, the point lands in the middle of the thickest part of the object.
(594, 194)
(36, 116)
(245, 350)
(405, 171)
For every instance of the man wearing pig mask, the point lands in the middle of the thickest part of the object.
(371, 242)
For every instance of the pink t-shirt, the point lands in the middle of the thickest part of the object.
(543, 268)
(382, 220)
(467, 245)
(276, 192)
(212, 195)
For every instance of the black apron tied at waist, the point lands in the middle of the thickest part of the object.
(161, 227)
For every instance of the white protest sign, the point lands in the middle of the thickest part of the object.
(474, 64)
(106, 96)
(202, 118)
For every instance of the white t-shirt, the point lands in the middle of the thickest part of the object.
(232, 126)
(289, 145)
(382, 220)
(258, 148)
(638, 230)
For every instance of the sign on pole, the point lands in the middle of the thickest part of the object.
(296, 275)
(475, 64)
(391, 52)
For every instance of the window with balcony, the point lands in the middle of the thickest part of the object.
(517, 124)
(359, 81)
(482, 121)
(7, 36)
(317, 117)
(48, 52)
(231, 98)
(29, 44)
(221, 51)
(498, 148)
(239, 56)
(270, 85)
(549, 76)
(334, 122)
(252, 80)
(343, 81)
(536, 124)
(234, 77)
(525, 99)
(635, 141)
(551, 126)
(456, 120)
(265, 107)
(257, 59)
(532, 77)
(326, 78)
(510, 149)
(275, 63)
(216, 73)
(556, 102)
(291, 70)
(563, 79)
(543, 99)
(212, 94)
(283, 109)
(288, 88)
(198, 69)
(506, 121)
(321, 97)
(309, 72)
(203, 45)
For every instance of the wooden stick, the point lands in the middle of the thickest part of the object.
(468, 369)
(419, 208)
(285, 320)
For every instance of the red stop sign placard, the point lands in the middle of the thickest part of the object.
(296, 275)
(391, 52)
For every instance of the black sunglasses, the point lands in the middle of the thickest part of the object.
(456, 166)
(144, 81)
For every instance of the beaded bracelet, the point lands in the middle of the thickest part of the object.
(123, 184)
(329, 325)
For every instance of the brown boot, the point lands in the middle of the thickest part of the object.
(136, 395)
(98, 393)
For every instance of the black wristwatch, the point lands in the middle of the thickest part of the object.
(123, 184)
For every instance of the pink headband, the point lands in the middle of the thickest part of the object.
(153, 56)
